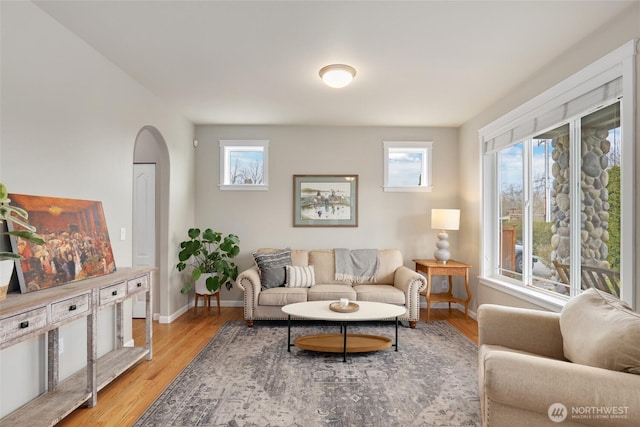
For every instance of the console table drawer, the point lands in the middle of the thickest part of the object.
(23, 324)
(138, 284)
(113, 293)
(69, 308)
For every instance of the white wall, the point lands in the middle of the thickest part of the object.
(69, 120)
(386, 220)
(603, 40)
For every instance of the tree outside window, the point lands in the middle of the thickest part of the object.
(244, 164)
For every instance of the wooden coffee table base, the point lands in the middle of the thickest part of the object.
(341, 343)
(334, 343)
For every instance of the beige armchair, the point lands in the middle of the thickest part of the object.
(526, 378)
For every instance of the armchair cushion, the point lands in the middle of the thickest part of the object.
(600, 330)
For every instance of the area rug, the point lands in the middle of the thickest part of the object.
(245, 377)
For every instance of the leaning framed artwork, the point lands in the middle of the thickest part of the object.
(76, 247)
(325, 200)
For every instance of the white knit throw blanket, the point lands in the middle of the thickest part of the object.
(356, 266)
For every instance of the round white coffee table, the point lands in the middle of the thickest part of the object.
(342, 343)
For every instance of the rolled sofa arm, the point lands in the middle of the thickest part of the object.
(249, 282)
(533, 384)
(411, 283)
(528, 330)
(405, 279)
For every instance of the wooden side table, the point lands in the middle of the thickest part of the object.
(452, 268)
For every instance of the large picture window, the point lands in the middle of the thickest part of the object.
(556, 197)
(244, 165)
(541, 234)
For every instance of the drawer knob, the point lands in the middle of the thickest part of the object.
(114, 293)
(139, 284)
(72, 307)
(24, 324)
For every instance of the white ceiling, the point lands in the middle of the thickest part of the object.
(419, 63)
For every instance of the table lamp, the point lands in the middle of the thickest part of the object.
(444, 219)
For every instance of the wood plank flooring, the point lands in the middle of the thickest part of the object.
(174, 346)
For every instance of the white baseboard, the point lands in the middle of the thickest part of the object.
(455, 305)
(223, 303)
(175, 315)
(235, 303)
(185, 308)
(232, 303)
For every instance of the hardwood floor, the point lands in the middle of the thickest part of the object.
(174, 346)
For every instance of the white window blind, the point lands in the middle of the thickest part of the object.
(550, 115)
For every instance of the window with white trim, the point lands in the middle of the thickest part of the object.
(559, 190)
(244, 164)
(407, 165)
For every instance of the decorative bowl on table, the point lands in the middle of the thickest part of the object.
(350, 308)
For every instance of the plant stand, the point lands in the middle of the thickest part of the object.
(207, 302)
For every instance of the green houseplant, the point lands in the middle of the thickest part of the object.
(19, 217)
(209, 252)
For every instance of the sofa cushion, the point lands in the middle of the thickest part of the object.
(300, 276)
(379, 293)
(282, 296)
(272, 267)
(325, 265)
(330, 292)
(390, 261)
(299, 257)
(600, 330)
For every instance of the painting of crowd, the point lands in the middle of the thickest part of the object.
(76, 247)
(65, 257)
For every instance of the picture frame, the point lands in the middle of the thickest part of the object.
(77, 244)
(325, 200)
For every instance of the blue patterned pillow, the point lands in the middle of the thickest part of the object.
(272, 267)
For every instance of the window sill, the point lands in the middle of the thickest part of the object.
(408, 189)
(244, 187)
(547, 301)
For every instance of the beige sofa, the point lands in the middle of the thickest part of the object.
(394, 284)
(579, 367)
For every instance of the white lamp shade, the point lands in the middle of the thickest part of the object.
(445, 219)
(337, 75)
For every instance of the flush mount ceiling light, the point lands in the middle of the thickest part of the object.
(337, 75)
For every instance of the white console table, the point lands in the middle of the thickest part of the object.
(24, 316)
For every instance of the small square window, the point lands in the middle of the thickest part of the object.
(407, 165)
(244, 165)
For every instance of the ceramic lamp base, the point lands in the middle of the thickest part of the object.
(442, 254)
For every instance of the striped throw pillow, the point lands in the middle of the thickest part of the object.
(300, 277)
(272, 267)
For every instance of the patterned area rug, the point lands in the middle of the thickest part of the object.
(245, 377)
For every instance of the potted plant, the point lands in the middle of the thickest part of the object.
(209, 253)
(17, 216)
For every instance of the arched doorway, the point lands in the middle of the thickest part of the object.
(151, 150)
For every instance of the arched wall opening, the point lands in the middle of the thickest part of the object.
(150, 147)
